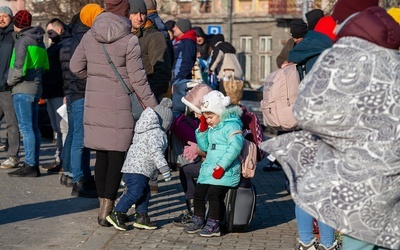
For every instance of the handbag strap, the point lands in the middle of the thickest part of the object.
(127, 90)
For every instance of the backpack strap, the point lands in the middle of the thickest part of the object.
(235, 133)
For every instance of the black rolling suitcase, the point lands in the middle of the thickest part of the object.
(240, 204)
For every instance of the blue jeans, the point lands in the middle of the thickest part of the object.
(55, 119)
(27, 111)
(354, 244)
(305, 227)
(66, 153)
(80, 156)
(138, 192)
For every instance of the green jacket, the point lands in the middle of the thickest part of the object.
(28, 61)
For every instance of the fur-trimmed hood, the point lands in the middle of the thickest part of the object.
(231, 112)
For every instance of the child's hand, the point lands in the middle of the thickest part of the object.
(190, 151)
(218, 172)
(167, 176)
(203, 124)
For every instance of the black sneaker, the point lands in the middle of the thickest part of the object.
(183, 219)
(66, 181)
(51, 165)
(57, 169)
(26, 171)
(83, 189)
(142, 221)
(116, 219)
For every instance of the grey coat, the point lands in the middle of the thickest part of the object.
(146, 153)
(108, 121)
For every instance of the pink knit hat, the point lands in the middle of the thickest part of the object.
(194, 98)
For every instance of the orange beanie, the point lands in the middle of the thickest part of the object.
(89, 12)
(326, 25)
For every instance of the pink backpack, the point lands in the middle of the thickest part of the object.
(248, 156)
(280, 93)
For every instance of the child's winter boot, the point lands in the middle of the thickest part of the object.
(195, 226)
(117, 220)
(211, 229)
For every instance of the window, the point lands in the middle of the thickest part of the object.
(246, 48)
(265, 56)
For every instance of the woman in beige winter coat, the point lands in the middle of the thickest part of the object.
(108, 121)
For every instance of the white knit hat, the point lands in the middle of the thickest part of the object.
(215, 102)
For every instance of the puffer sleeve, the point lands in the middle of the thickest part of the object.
(235, 145)
(137, 75)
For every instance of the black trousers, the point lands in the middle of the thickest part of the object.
(215, 196)
(188, 176)
(107, 173)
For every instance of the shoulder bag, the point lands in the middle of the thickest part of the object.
(137, 105)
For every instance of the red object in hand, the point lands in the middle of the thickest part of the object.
(203, 124)
(218, 172)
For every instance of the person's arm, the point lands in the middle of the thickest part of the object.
(16, 71)
(283, 56)
(217, 57)
(187, 59)
(78, 63)
(235, 145)
(161, 62)
(137, 75)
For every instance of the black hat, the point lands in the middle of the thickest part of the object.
(199, 31)
(215, 39)
(298, 28)
(313, 17)
(170, 24)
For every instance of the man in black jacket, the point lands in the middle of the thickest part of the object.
(53, 83)
(6, 102)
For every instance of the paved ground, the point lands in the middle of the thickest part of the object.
(39, 213)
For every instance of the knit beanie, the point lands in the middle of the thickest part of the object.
(395, 13)
(118, 7)
(22, 19)
(194, 98)
(215, 102)
(313, 17)
(215, 39)
(89, 12)
(184, 25)
(298, 28)
(137, 6)
(164, 111)
(326, 26)
(7, 10)
(345, 8)
(170, 24)
(151, 4)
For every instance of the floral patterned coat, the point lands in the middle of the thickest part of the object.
(344, 167)
(146, 154)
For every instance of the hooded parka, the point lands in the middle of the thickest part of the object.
(223, 145)
(108, 121)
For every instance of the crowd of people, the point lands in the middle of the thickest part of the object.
(187, 119)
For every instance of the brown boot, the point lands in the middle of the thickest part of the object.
(105, 209)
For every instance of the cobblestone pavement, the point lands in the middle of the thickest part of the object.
(39, 213)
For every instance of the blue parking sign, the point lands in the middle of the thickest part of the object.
(214, 29)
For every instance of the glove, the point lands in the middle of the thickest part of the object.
(190, 151)
(167, 176)
(218, 172)
(203, 124)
